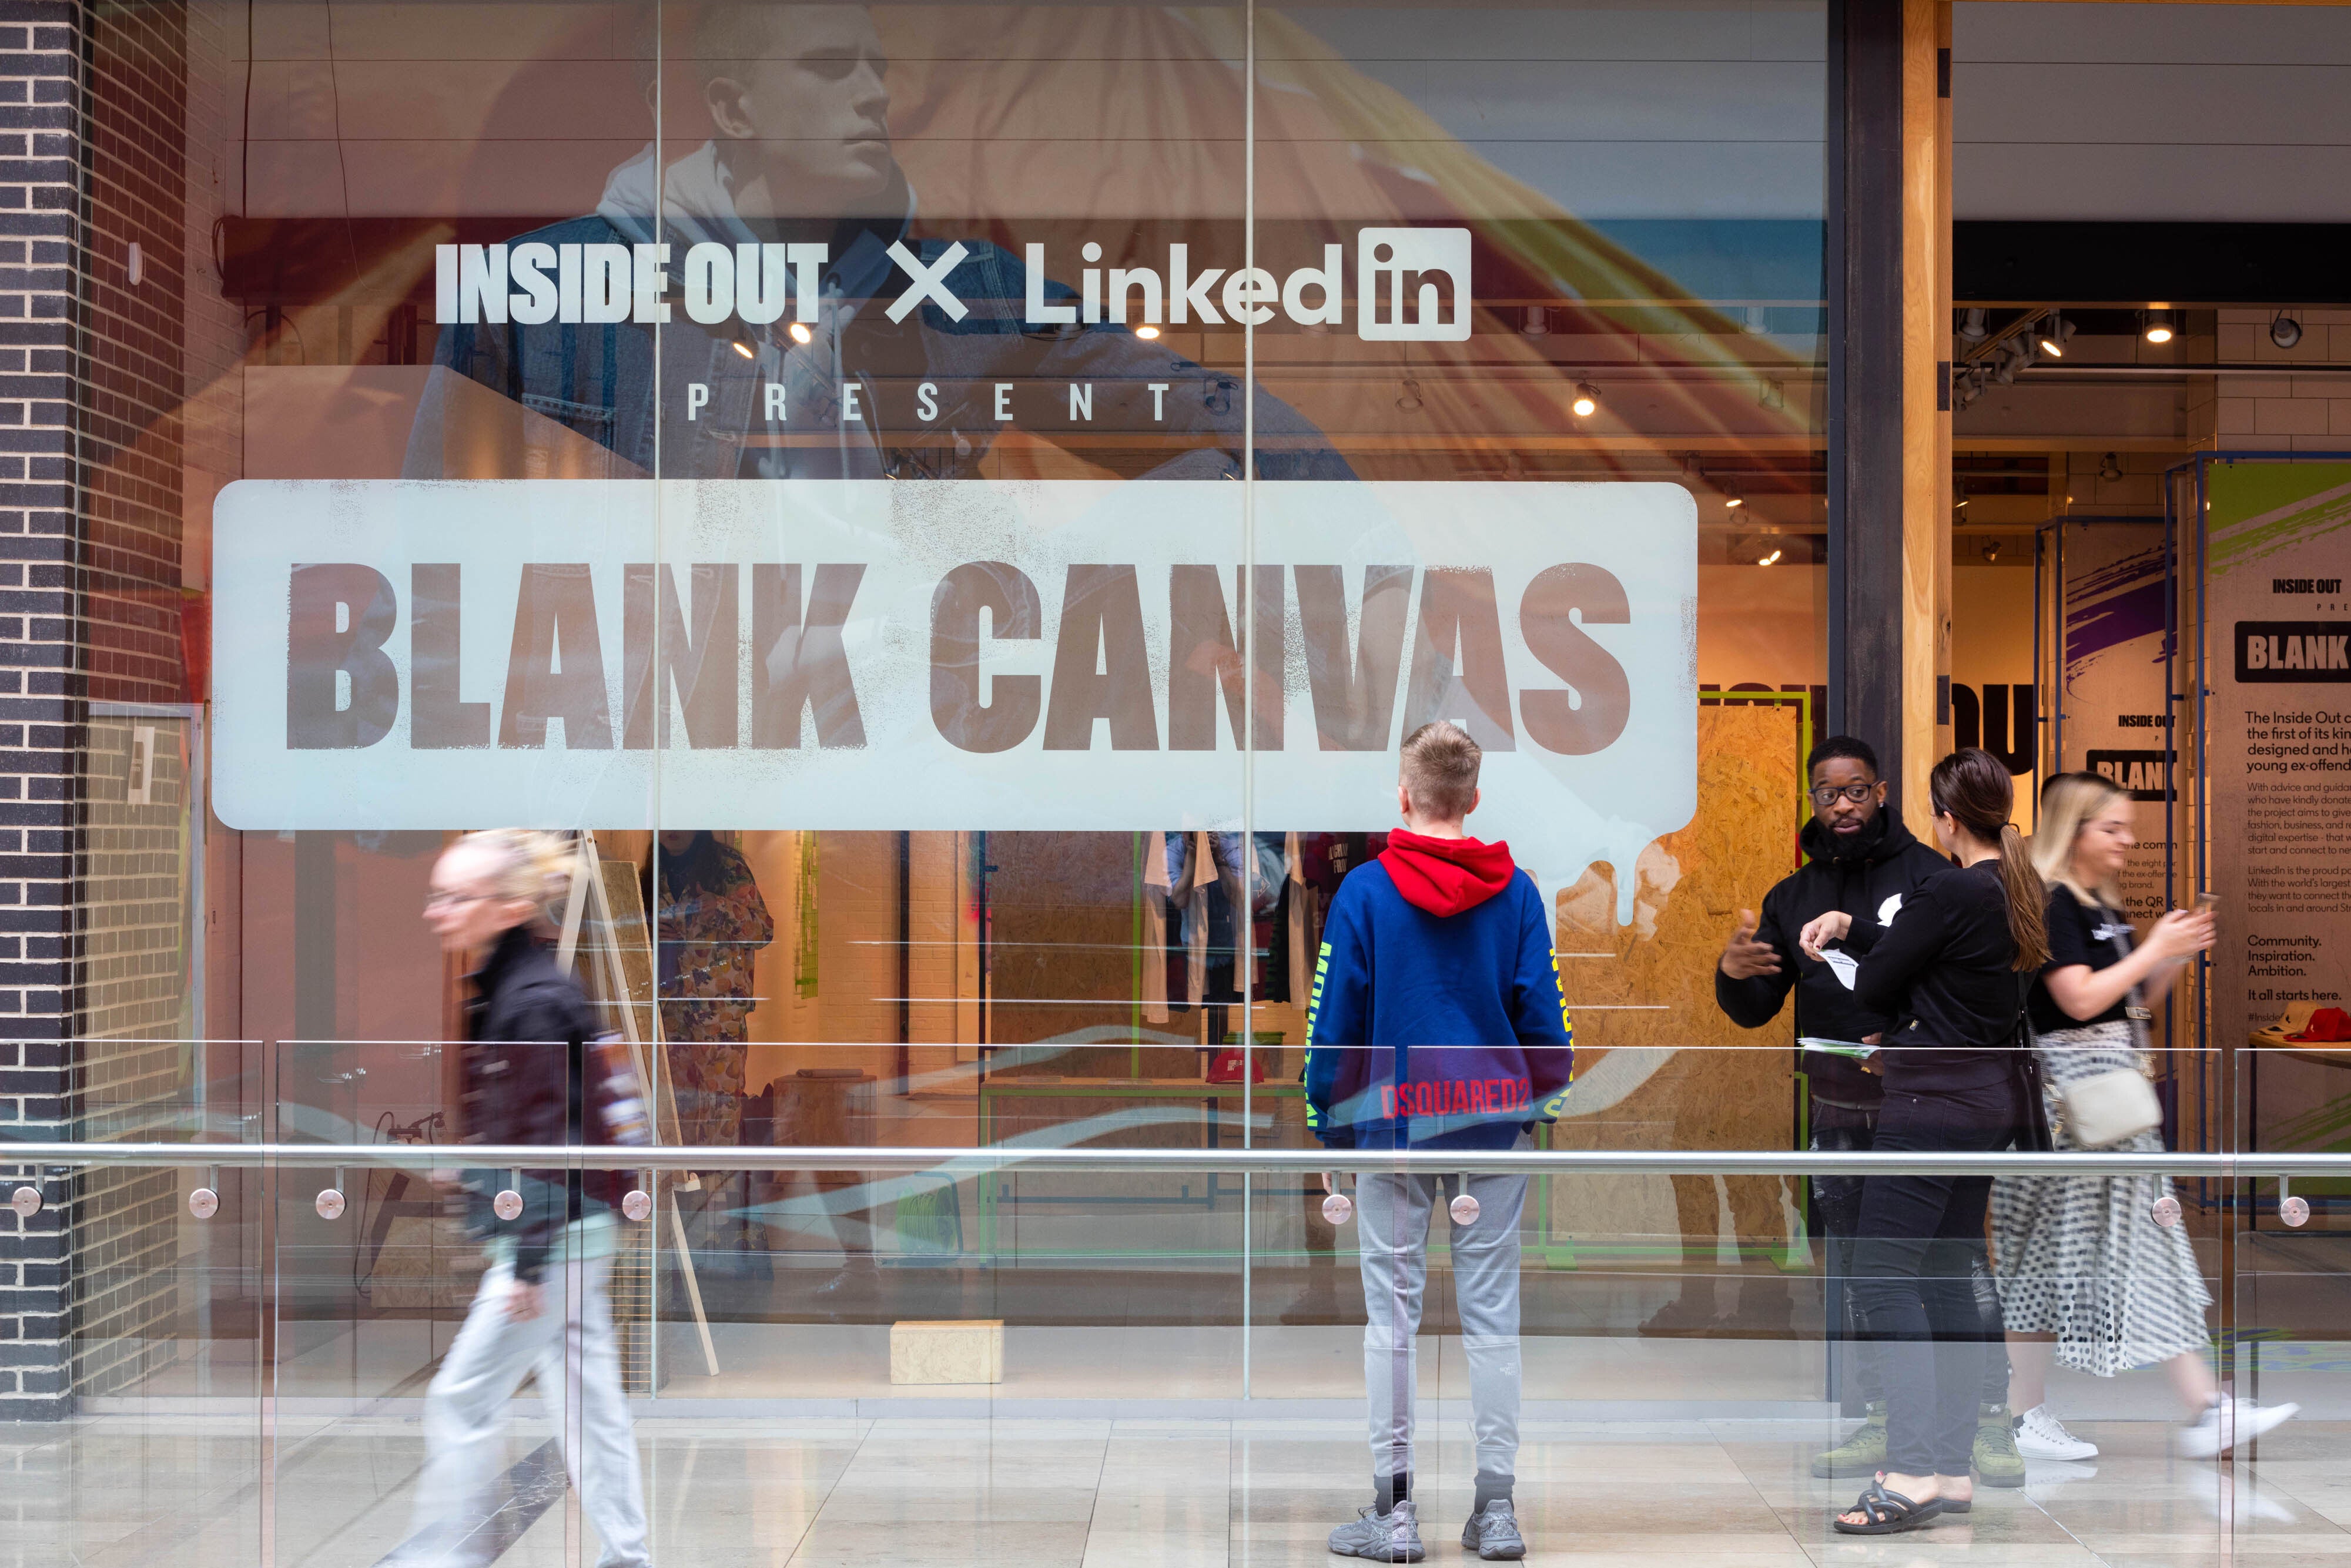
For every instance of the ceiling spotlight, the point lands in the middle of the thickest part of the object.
(1731, 497)
(1772, 395)
(800, 334)
(1538, 323)
(2109, 470)
(2158, 326)
(1975, 324)
(1771, 560)
(1759, 320)
(1587, 399)
(1408, 399)
(2285, 330)
(1147, 331)
(1991, 552)
(2053, 334)
(742, 348)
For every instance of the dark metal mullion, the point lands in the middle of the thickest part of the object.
(1865, 284)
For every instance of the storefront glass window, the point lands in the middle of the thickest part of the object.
(958, 506)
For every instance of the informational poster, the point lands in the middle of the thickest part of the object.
(2278, 730)
(906, 656)
(2116, 718)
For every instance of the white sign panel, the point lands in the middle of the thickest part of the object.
(876, 654)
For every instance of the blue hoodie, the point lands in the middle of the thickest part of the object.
(1436, 1019)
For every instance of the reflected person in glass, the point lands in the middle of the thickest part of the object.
(2085, 1279)
(543, 1308)
(783, 116)
(1949, 971)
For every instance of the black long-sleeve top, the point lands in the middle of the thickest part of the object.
(1945, 971)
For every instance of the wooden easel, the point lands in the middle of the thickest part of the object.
(588, 885)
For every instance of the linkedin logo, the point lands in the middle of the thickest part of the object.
(1412, 285)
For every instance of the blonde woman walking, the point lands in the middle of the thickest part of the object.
(2086, 1276)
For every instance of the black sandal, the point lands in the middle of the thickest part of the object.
(1887, 1512)
(1951, 1504)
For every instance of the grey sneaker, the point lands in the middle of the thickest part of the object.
(1392, 1537)
(1493, 1530)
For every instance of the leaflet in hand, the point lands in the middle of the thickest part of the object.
(1852, 1047)
(1842, 965)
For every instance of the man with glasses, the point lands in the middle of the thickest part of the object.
(1860, 859)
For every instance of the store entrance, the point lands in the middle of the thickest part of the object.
(2150, 396)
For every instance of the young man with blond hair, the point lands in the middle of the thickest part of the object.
(1437, 1023)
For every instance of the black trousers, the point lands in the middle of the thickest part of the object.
(1917, 1262)
(1838, 1201)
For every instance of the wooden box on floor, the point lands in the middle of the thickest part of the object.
(955, 1351)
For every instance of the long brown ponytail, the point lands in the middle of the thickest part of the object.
(1972, 787)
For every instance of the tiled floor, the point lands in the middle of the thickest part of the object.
(128, 1492)
(817, 1369)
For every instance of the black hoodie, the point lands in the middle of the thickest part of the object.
(1883, 862)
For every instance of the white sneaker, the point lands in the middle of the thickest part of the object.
(2228, 1423)
(2041, 1436)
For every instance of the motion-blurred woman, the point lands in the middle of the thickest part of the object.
(2086, 1276)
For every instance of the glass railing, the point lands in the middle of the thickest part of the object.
(1112, 1349)
(2286, 1339)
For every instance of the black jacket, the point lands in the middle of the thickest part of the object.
(527, 1026)
(1887, 863)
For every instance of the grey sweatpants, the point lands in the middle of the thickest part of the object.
(1394, 1214)
(569, 1347)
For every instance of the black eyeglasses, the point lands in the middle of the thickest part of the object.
(1825, 796)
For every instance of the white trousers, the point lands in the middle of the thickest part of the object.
(569, 1346)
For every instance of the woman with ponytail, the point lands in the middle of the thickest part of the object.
(1950, 971)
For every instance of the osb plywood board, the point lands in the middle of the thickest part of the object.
(1690, 1078)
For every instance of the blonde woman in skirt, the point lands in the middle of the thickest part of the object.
(2085, 1277)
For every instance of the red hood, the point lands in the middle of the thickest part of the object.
(1446, 876)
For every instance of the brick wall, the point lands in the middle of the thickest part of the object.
(131, 362)
(134, 841)
(39, 665)
(94, 851)
(2281, 414)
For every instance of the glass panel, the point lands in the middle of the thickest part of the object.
(136, 1366)
(399, 1294)
(1588, 280)
(2285, 1353)
(1075, 1436)
(1580, 400)
(2118, 1310)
